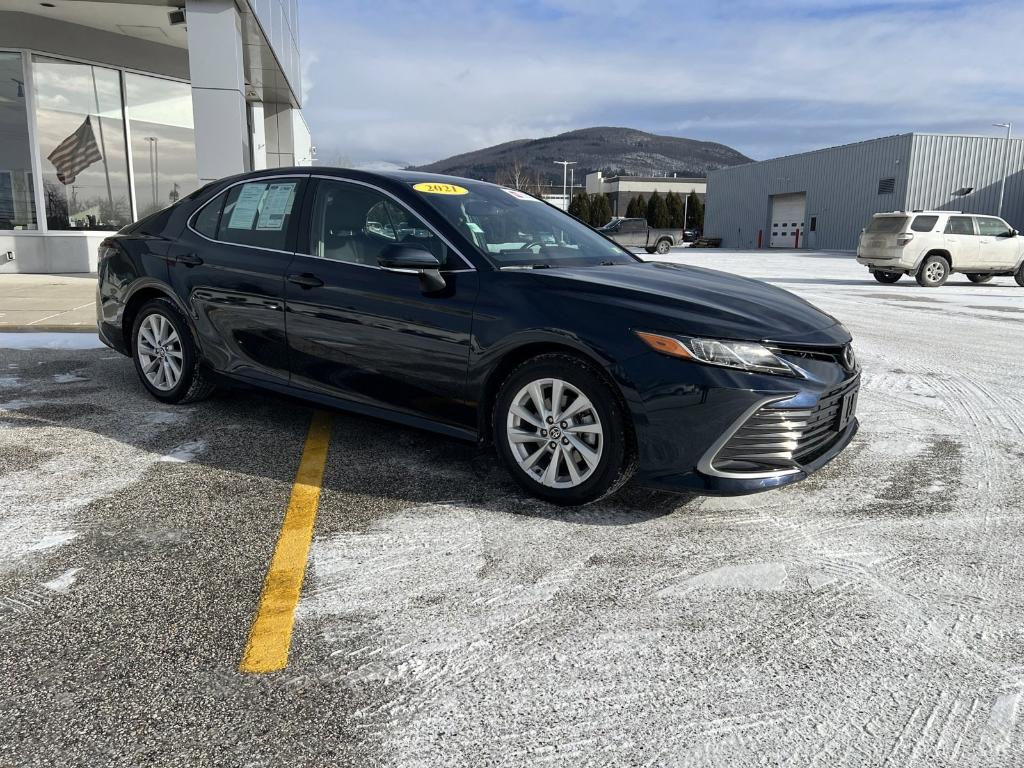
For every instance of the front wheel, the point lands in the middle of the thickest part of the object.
(977, 278)
(1019, 275)
(166, 357)
(663, 247)
(561, 432)
(934, 272)
(887, 277)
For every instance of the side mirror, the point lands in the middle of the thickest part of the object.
(1014, 233)
(409, 258)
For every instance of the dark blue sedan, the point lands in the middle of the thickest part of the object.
(486, 314)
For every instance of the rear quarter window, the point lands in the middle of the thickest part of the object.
(887, 225)
(924, 223)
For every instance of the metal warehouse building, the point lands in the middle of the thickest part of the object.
(822, 199)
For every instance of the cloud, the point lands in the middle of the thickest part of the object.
(404, 82)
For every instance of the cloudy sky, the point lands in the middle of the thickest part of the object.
(412, 81)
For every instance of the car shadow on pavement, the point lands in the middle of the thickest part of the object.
(374, 467)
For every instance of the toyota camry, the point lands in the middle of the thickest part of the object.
(485, 314)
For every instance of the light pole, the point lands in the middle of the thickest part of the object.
(565, 178)
(1006, 159)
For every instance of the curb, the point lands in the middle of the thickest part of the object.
(48, 329)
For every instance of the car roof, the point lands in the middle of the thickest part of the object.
(402, 176)
(914, 213)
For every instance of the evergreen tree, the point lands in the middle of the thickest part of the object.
(600, 210)
(636, 208)
(674, 204)
(580, 207)
(695, 212)
(657, 211)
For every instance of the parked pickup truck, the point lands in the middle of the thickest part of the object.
(634, 233)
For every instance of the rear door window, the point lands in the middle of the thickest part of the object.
(887, 225)
(258, 213)
(924, 223)
(960, 225)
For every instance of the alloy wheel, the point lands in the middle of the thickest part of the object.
(935, 271)
(555, 433)
(159, 351)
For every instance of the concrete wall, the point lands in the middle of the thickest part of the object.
(52, 252)
(26, 30)
(841, 184)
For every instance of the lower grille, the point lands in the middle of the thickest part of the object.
(785, 438)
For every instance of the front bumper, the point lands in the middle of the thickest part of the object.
(690, 412)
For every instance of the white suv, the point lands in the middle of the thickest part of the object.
(930, 245)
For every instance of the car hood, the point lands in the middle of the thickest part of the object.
(698, 301)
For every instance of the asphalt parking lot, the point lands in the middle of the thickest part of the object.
(871, 615)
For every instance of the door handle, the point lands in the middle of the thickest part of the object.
(189, 260)
(306, 280)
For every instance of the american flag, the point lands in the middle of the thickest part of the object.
(76, 153)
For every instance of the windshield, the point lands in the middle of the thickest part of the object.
(513, 229)
(887, 225)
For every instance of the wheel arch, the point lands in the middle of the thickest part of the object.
(935, 252)
(515, 356)
(142, 293)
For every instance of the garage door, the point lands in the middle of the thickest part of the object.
(788, 220)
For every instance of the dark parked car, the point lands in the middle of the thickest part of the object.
(485, 314)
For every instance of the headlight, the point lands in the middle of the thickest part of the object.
(744, 355)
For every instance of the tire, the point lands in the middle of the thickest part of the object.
(1019, 275)
(974, 277)
(161, 336)
(649, 249)
(599, 427)
(887, 277)
(934, 271)
(663, 247)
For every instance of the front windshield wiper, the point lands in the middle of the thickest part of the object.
(526, 266)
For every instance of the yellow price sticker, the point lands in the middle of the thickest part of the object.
(434, 188)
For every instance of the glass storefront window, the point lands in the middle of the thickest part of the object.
(81, 135)
(163, 140)
(17, 202)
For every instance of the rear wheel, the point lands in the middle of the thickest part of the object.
(166, 357)
(887, 277)
(1019, 275)
(561, 432)
(974, 277)
(663, 247)
(934, 271)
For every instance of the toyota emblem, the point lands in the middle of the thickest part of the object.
(849, 358)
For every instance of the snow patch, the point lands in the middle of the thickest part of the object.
(756, 577)
(9, 382)
(64, 582)
(68, 378)
(54, 539)
(998, 733)
(185, 451)
(50, 341)
(15, 405)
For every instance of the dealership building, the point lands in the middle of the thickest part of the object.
(822, 199)
(621, 189)
(111, 110)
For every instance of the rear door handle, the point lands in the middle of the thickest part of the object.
(189, 260)
(306, 280)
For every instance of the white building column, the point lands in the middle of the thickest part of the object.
(217, 73)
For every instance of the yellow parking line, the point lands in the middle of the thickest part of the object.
(271, 633)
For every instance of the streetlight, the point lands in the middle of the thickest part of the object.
(1006, 159)
(565, 177)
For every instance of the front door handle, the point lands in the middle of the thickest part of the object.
(188, 259)
(306, 280)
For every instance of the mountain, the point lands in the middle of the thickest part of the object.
(616, 151)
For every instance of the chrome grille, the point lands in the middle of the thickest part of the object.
(784, 438)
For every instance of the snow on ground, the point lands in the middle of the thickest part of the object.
(871, 614)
